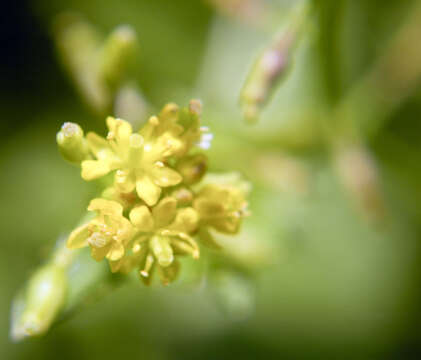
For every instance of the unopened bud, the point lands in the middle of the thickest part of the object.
(117, 54)
(271, 66)
(72, 143)
(192, 168)
(183, 196)
(44, 298)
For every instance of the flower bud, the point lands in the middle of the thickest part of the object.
(192, 168)
(272, 65)
(117, 53)
(183, 196)
(221, 203)
(39, 306)
(72, 144)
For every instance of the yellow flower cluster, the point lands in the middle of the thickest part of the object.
(158, 206)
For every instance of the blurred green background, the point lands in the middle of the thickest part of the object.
(342, 281)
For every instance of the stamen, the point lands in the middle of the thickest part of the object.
(148, 266)
(97, 240)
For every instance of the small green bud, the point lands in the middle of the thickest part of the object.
(39, 306)
(72, 144)
(190, 115)
(117, 53)
(193, 168)
(272, 65)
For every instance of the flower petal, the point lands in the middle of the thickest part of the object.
(142, 219)
(120, 130)
(124, 181)
(228, 225)
(207, 239)
(208, 208)
(125, 230)
(147, 190)
(165, 176)
(116, 265)
(186, 220)
(116, 251)
(183, 248)
(164, 212)
(106, 207)
(169, 273)
(167, 144)
(94, 169)
(98, 253)
(79, 237)
(187, 239)
(98, 145)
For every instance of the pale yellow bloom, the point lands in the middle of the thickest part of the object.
(138, 224)
(138, 158)
(221, 206)
(107, 234)
(162, 233)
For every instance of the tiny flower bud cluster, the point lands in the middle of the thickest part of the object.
(159, 206)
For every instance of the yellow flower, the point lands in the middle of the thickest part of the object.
(162, 233)
(151, 232)
(221, 206)
(107, 234)
(138, 158)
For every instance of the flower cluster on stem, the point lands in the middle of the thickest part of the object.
(158, 206)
